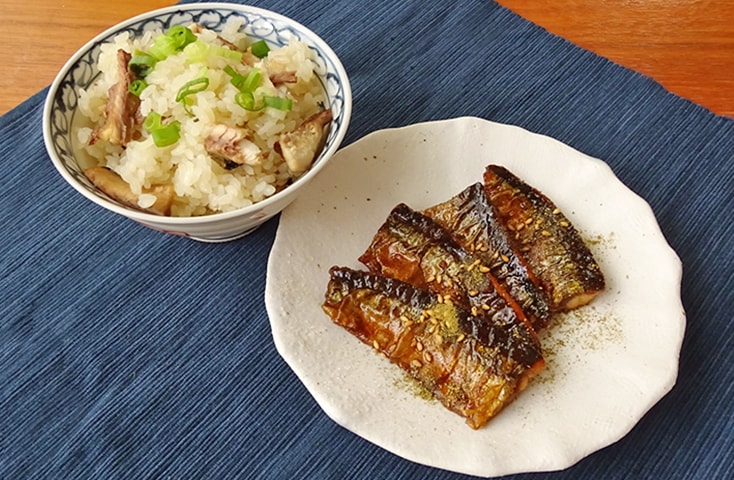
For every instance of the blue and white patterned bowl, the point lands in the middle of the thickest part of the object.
(80, 72)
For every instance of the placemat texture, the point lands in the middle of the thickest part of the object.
(127, 354)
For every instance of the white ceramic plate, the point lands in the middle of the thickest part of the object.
(607, 364)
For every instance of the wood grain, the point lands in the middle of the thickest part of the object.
(39, 36)
(686, 45)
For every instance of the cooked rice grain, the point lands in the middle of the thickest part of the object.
(202, 186)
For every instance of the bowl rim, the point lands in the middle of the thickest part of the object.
(255, 208)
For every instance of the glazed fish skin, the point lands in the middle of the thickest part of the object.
(404, 239)
(431, 341)
(473, 224)
(552, 246)
(411, 247)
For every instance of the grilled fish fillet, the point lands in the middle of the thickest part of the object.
(474, 225)
(469, 365)
(411, 247)
(553, 248)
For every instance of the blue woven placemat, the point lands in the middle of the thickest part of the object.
(127, 354)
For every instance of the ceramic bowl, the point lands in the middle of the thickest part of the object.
(80, 71)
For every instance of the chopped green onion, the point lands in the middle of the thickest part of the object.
(181, 35)
(174, 40)
(162, 47)
(194, 86)
(230, 71)
(152, 121)
(244, 83)
(168, 135)
(136, 87)
(260, 49)
(163, 135)
(196, 52)
(237, 78)
(252, 80)
(246, 100)
(227, 53)
(142, 64)
(199, 52)
(189, 88)
(279, 103)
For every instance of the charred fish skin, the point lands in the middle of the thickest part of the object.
(431, 341)
(411, 247)
(404, 239)
(473, 224)
(553, 247)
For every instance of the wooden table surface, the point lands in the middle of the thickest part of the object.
(686, 45)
